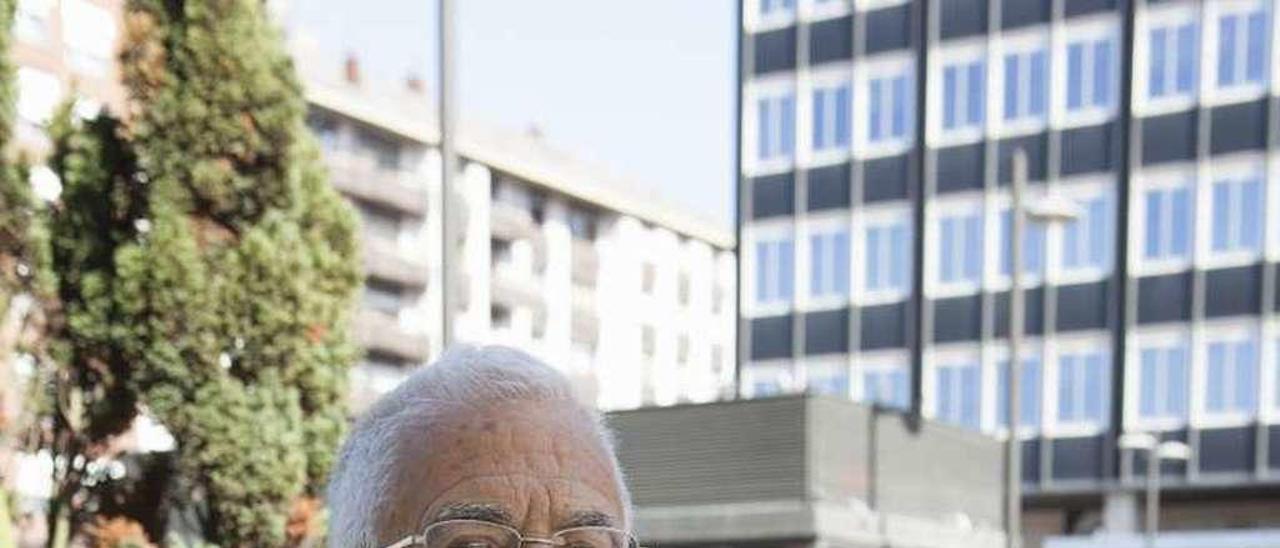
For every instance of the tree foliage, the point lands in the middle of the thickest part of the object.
(205, 268)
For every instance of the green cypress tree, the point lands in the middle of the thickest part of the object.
(206, 268)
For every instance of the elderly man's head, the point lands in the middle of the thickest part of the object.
(484, 435)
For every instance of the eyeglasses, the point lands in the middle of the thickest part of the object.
(466, 533)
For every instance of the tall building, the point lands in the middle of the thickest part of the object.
(875, 156)
(631, 297)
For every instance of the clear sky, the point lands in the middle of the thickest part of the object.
(644, 88)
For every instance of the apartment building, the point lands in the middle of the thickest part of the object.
(629, 296)
(876, 145)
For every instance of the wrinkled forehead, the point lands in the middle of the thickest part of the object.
(548, 443)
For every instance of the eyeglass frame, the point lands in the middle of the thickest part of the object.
(420, 539)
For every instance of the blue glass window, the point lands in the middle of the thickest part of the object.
(964, 98)
(831, 117)
(1087, 240)
(1237, 215)
(829, 263)
(1033, 243)
(960, 238)
(1025, 85)
(1231, 377)
(1242, 48)
(1168, 223)
(769, 7)
(1164, 381)
(1090, 73)
(890, 105)
(958, 394)
(887, 386)
(776, 127)
(888, 256)
(775, 270)
(1173, 60)
(1082, 387)
(1029, 391)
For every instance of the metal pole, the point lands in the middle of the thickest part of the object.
(448, 161)
(1013, 445)
(1153, 494)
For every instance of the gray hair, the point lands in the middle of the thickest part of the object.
(367, 469)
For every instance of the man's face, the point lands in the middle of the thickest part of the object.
(533, 466)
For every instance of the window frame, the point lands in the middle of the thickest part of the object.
(941, 58)
(770, 88)
(963, 355)
(883, 66)
(1170, 17)
(996, 354)
(1089, 31)
(883, 362)
(881, 216)
(1076, 344)
(1242, 90)
(826, 225)
(996, 278)
(756, 20)
(1229, 331)
(1160, 338)
(967, 205)
(1235, 169)
(1163, 180)
(1082, 192)
(756, 234)
(1022, 44)
(829, 79)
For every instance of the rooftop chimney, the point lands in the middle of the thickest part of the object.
(352, 69)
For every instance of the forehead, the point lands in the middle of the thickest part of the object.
(539, 461)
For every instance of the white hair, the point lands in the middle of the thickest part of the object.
(369, 467)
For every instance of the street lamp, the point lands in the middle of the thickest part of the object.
(1157, 452)
(1046, 211)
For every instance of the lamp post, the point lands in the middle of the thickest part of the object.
(1157, 452)
(1045, 211)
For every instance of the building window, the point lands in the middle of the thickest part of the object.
(682, 349)
(1242, 48)
(829, 263)
(1237, 215)
(1029, 388)
(648, 342)
(1033, 242)
(380, 222)
(829, 381)
(1231, 381)
(380, 148)
(890, 105)
(958, 394)
(774, 7)
(499, 317)
(775, 268)
(1172, 61)
(1163, 381)
(888, 385)
(90, 35)
(1082, 388)
(499, 250)
(717, 299)
(382, 296)
(683, 289)
(582, 225)
(1167, 223)
(776, 116)
(888, 256)
(960, 248)
(1087, 240)
(648, 277)
(1090, 74)
(831, 106)
(1026, 85)
(963, 95)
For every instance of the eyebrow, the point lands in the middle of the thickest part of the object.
(589, 518)
(491, 513)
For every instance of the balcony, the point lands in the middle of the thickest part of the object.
(585, 323)
(516, 287)
(377, 331)
(510, 222)
(383, 260)
(361, 178)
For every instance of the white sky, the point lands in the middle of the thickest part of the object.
(643, 87)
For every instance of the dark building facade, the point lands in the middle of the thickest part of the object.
(875, 149)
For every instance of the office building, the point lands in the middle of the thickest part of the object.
(629, 296)
(875, 159)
